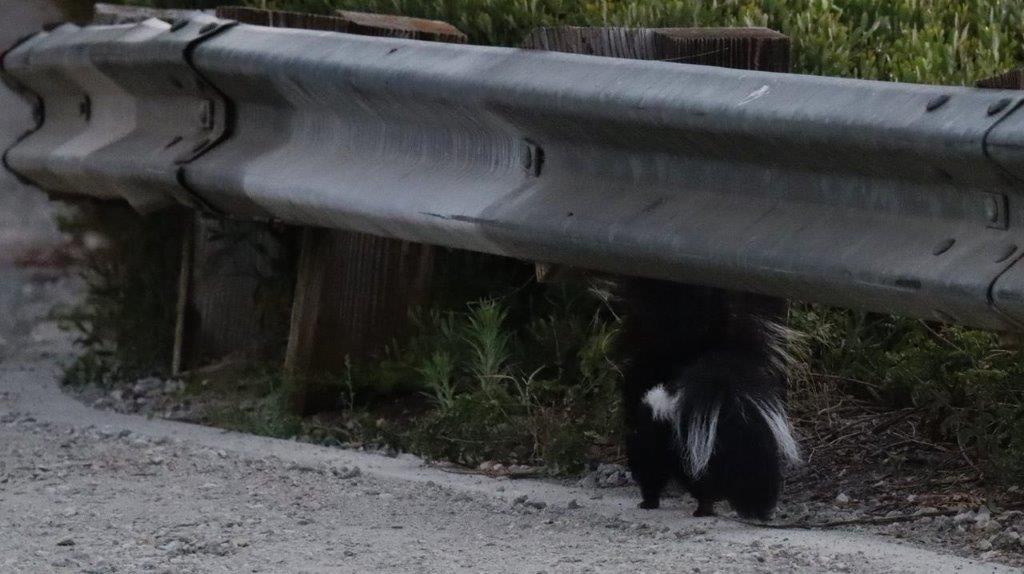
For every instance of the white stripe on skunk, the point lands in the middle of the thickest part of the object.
(775, 416)
(781, 338)
(700, 437)
(664, 406)
(702, 428)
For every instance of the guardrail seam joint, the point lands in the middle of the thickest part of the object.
(207, 32)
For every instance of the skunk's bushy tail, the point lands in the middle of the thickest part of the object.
(731, 431)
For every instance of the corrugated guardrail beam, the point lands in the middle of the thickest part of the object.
(875, 195)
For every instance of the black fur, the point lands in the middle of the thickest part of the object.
(711, 345)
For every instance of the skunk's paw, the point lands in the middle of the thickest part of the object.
(705, 508)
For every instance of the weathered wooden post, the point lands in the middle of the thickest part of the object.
(234, 292)
(353, 291)
(1012, 80)
(745, 48)
(236, 277)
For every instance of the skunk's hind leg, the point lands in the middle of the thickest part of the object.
(650, 489)
(705, 507)
(706, 497)
(648, 464)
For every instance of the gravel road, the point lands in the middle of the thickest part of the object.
(83, 490)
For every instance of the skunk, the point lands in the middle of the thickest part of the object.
(704, 394)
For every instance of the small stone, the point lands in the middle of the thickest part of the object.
(538, 504)
(984, 515)
(1008, 515)
(486, 465)
(964, 517)
(1008, 539)
(303, 467)
(346, 472)
(985, 545)
(842, 498)
(573, 505)
(147, 386)
(990, 555)
(66, 542)
(521, 499)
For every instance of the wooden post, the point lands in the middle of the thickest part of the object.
(236, 277)
(362, 23)
(744, 48)
(1012, 80)
(353, 291)
(181, 308)
(237, 290)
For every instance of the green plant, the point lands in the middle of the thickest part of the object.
(926, 41)
(269, 417)
(130, 264)
(489, 342)
(438, 375)
(967, 386)
(524, 389)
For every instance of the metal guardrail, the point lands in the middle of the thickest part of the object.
(883, 196)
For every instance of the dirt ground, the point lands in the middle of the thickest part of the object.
(87, 490)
